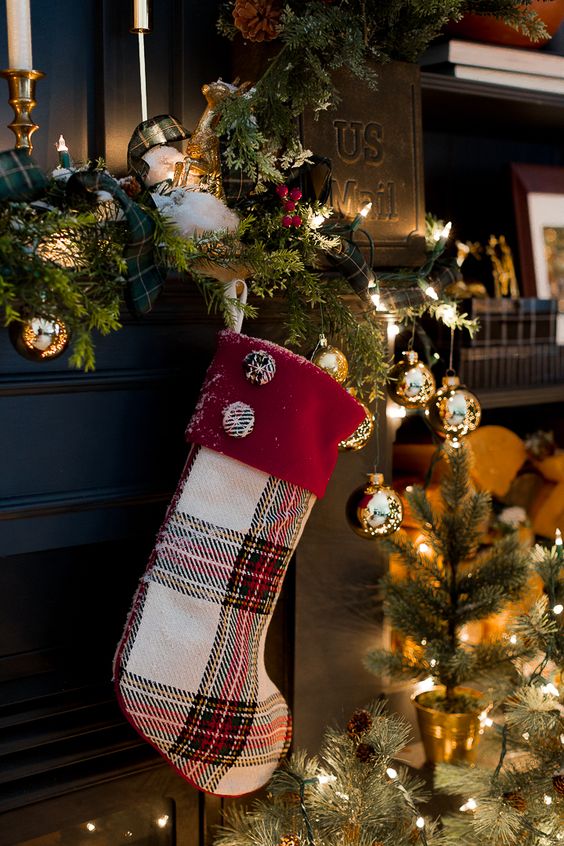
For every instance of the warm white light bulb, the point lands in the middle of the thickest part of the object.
(365, 210)
(90, 826)
(162, 821)
(433, 662)
(513, 639)
(558, 609)
(420, 822)
(430, 291)
(446, 231)
(423, 548)
(393, 330)
(550, 688)
(425, 685)
(394, 411)
(547, 799)
(391, 773)
(326, 779)
(470, 805)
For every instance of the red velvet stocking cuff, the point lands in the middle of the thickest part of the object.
(274, 411)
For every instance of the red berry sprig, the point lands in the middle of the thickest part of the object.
(289, 199)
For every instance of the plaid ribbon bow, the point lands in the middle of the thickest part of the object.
(144, 279)
(21, 179)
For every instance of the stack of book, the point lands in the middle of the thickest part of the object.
(509, 66)
(515, 346)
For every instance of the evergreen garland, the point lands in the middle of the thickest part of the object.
(64, 265)
(351, 794)
(316, 39)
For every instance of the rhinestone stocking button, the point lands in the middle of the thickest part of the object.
(259, 367)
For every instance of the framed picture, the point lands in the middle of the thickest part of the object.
(538, 194)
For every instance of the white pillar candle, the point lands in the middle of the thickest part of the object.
(19, 35)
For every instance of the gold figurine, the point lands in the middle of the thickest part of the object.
(503, 268)
(203, 157)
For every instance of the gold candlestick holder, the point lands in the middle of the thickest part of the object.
(21, 87)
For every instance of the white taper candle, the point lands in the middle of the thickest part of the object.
(19, 35)
(142, 76)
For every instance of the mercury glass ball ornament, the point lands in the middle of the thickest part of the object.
(410, 382)
(454, 411)
(331, 360)
(362, 433)
(374, 510)
(39, 339)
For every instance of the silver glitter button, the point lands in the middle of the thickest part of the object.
(238, 419)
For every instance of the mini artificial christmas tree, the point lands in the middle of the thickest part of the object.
(449, 583)
(351, 795)
(522, 800)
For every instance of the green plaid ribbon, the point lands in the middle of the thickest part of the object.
(158, 130)
(351, 264)
(144, 279)
(397, 298)
(21, 179)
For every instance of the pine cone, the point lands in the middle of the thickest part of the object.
(360, 722)
(558, 782)
(516, 800)
(365, 752)
(258, 20)
(131, 186)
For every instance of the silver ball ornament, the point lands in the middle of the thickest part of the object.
(410, 382)
(39, 338)
(454, 411)
(374, 510)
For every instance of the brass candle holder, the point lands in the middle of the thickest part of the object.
(21, 86)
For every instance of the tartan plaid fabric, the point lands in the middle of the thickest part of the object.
(21, 179)
(189, 671)
(508, 322)
(161, 129)
(350, 262)
(396, 298)
(144, 278)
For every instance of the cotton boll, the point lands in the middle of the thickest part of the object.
(161, 161)
(195, 212)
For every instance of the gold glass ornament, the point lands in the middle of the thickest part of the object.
(362, 433)
(374, 510)
(454, 411)
(410, 382)
(331, 360)
(290, 840)
(39, 339)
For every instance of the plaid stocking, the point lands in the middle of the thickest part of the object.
(189, 670)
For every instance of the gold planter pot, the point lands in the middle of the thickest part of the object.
(448, 738)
